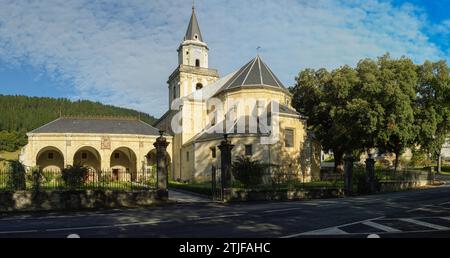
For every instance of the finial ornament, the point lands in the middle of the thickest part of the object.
(193, 5)
(257, 50)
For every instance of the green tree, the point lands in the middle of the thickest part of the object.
(324, 97)
(398, 79)
(432, 108)
(354, 110)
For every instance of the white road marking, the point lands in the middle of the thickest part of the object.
(425, 224)
(106, 226)
(221, 216)
(18, 231)
(330, 230)
(381, 227)
(288, 209)
(423, 209)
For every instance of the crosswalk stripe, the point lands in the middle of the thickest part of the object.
(381, 227)
(425, 224)
(325, 231)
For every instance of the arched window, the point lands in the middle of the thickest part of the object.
(199, 86)
(197, 62)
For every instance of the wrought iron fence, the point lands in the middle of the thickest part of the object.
(34, 179)
(216, 184)
(276, 178)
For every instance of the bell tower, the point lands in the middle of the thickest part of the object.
(193, 51)
(193, 72)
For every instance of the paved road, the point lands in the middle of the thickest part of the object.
(406, 214)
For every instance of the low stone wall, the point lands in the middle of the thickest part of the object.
(239, 195)
(392, 186)
(76, 200)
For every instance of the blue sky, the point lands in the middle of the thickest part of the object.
(121, 52)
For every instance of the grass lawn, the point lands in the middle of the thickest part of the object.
(200, 188)
(445, 170)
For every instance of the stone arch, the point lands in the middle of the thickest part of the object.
(123, 163)
(88, 156)
(50, 159)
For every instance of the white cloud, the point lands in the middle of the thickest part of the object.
(121, 52)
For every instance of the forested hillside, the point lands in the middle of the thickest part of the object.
(20, 114)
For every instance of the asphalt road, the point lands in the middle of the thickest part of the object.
(423, 213)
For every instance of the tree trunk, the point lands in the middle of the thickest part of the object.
(338, 162)
(439, 162)
(396, 162)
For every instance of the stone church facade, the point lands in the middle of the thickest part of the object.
(250, 105)
(196, 91)
(123, 146)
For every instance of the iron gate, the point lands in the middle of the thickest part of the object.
(216, 184)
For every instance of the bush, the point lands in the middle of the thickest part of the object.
(17, 180)
(360, 181)
(36, 179)
(74, 176)
(247, 171)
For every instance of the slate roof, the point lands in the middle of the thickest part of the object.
(98, 126)
(254, 73)
(193, 28)
(286, 110)
(210, 133)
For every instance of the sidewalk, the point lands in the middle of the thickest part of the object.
(186, 197)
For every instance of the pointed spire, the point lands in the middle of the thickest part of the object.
(193, 31)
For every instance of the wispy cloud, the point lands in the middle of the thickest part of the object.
(121, 52)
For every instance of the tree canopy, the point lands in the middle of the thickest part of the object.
(384, 103)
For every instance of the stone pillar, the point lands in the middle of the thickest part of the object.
(348, 175)
(161, 166)
(431, 175)
(370, 174)
(225, 156)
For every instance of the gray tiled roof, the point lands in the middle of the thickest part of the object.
(233, 131)
(254, 73)
(286, 110)
(193, 28)
(98, 126)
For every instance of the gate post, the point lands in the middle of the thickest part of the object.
(225, 162)
(370, 174)
(213, 182)
(161, 166)
(348, 174)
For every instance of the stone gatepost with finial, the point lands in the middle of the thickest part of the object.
(225, 162)
(162, 172)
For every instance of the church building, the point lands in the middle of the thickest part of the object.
(205, 106)
(251, 106)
